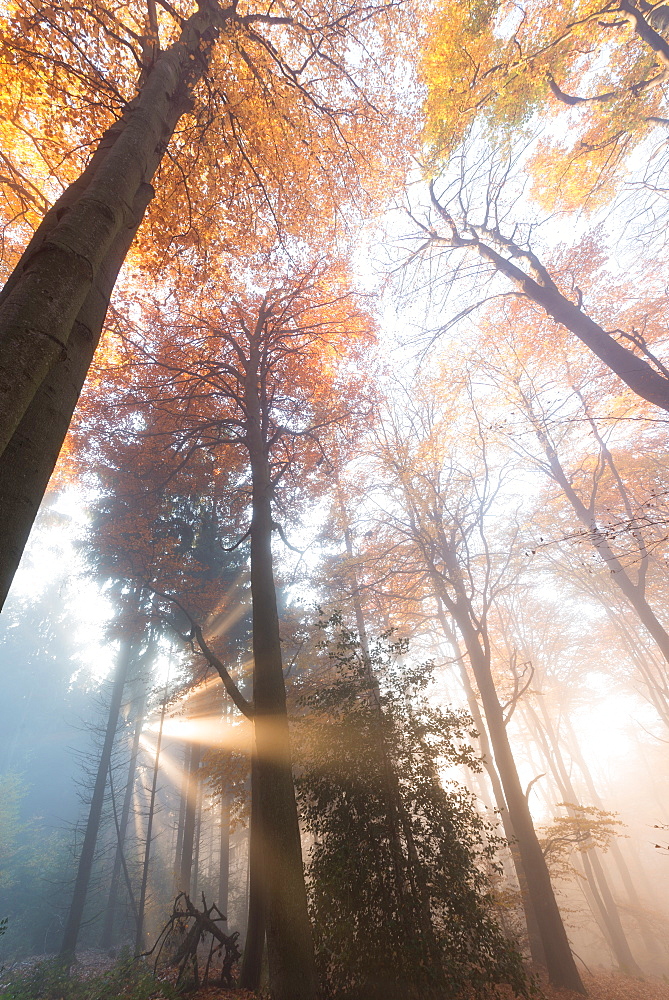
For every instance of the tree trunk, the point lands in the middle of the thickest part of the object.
(533, 935)
(642, 378)
(634, 592)
(53, 305)
(139, 936)
(650, 940)
(289, 942)
(107, 936)
(30, 456)
(254, 946)
(75, 914)
(224, 856)
(197, 841)
(188, 841)
(224, 842)
(181, 819)
(560, 963)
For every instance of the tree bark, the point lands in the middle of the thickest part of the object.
(53, 305)
(31, 454)
(289, 942)
(648, 382)
(560, 962)
(107, 936)
(45, 293)
(633, 592)
(254, 945)
(224, 856)
(197, 840)
(533, 934)
(181, 819)
(188, 841)
(85, 865)
(139, 936)
(224, 845)
(594, 871)
(651, 942)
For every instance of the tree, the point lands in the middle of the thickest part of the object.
(292, 79)
(379, 946)
(258, 380)
(86, 856)
(470, 219)
(609, 506)
(437, 529)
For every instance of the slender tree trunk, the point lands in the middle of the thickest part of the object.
(650, 940)
(188, 841)
(197, 841)
(181, 820)
(533, 934)
(249, 978)
(75, 914)
(633, 592)
(592, 865)
(44, 295)
(139, 936)
(642, 378)
(107, 937)
(292, 966)
(224, 856)
(560, 962)
(224, 841)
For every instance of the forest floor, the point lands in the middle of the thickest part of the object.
(601, 986)
(94, 966)
(613, 986)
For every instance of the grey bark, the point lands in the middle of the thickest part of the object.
(139, 935)
(190, 812)
(85, 864)
(560, 962)
(107, 936)
(289, 941)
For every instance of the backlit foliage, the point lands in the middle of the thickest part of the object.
(589, 73)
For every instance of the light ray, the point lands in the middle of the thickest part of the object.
(208, 730)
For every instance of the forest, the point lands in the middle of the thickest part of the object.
(334, 499)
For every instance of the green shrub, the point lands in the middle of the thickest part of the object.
(398, 876)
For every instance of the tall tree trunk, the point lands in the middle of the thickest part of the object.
(188, 841)
(139, 936)
(642, 378)
(30, 456)
(290, 950)
(633, 591)
(560, 962)
(254, 946)
(535, 942)
(85, 865)
(197, 841)
(181, 820)
(224, 843)
(53, 306)
(107, 936)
